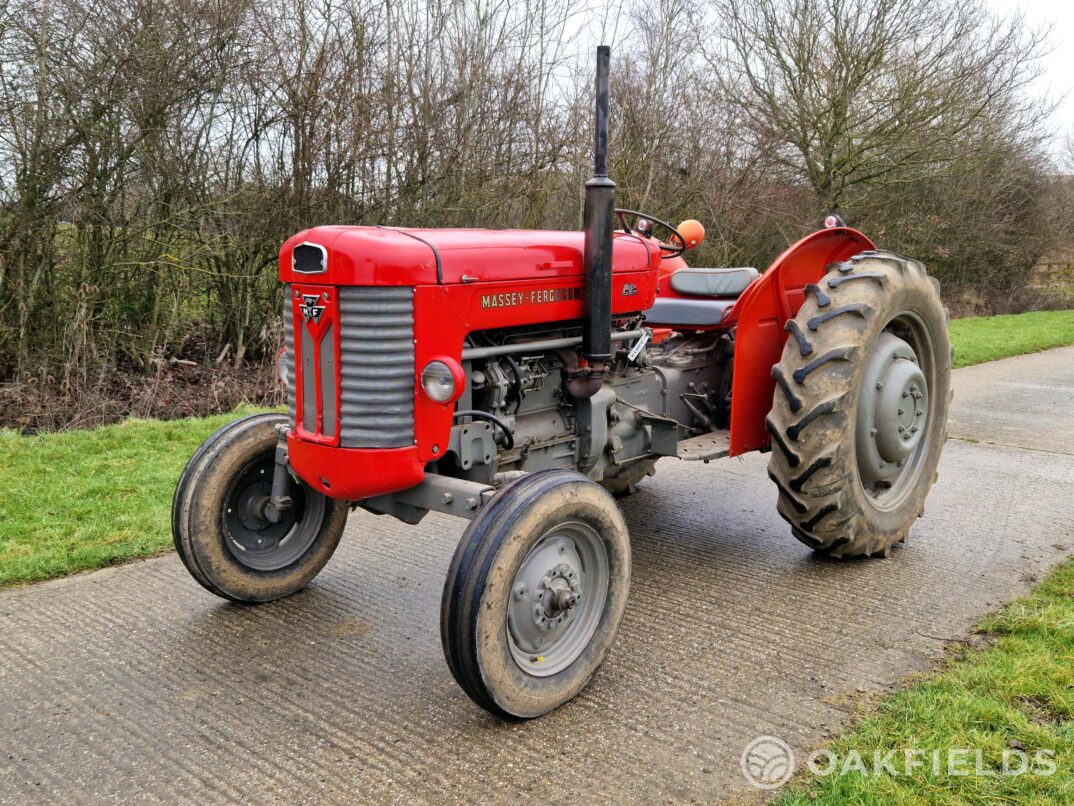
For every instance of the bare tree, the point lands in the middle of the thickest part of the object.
(866, 92)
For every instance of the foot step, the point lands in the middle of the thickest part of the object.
(714, 445)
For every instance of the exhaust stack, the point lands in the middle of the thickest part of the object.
(597, 253)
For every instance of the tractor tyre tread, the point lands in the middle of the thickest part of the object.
(812, 420)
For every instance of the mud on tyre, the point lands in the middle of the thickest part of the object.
(219, 528)
(535, 593)
(860, 406)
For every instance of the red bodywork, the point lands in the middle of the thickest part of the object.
(474, 280)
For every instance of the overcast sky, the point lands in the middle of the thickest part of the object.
(1058, 78)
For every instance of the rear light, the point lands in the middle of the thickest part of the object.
(442, 380)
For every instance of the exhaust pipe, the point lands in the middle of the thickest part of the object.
(597, 253)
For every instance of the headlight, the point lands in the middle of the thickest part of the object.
(281, 366)
(438, 381)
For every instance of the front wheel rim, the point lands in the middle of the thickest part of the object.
(252, 539)
(557, 599)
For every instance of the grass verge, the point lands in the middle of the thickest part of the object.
(78, 500)
(986, 338)
(1016, 698)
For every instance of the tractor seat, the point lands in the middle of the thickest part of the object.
(713, 282)
(716, 291)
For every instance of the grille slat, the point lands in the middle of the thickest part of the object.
(376, 356)
(289, 351)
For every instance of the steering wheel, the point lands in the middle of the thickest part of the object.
(676, 244)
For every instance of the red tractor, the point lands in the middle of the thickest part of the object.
(520, 379)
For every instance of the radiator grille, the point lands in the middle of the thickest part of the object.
(289, 351)
(376, 367)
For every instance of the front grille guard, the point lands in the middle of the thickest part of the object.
(375, 368)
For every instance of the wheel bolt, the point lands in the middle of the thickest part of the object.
(873, 432)
(901, 412)
(564, 600)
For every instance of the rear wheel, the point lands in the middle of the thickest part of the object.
(220, 525)
(535, 594)
(860, 408)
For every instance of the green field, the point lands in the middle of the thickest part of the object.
(86, 499)
(985, 338)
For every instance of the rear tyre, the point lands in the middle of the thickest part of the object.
(859, 414)
(535, 594)
(219, 525)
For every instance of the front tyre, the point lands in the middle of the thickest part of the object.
(219, 524)
(859, 414)
(535, 594)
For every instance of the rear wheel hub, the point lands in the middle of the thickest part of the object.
(892, 415)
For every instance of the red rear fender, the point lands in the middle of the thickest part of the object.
(760, 316)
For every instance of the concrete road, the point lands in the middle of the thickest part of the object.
(135, 684)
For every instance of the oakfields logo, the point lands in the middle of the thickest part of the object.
(768, 762)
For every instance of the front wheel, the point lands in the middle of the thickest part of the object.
(860, 409)
(219, 522)
(535, 594)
